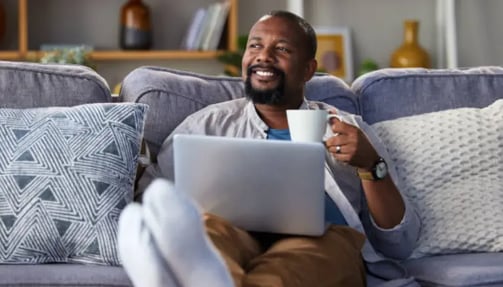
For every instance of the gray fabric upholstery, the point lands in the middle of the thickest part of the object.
(28, 85)
(172, 95)
(476, 269)
(62, 275)
(390, 93)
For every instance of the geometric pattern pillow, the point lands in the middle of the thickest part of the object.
(65, 175)
(450, 164)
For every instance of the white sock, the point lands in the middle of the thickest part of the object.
(177, 228)
(140, 256)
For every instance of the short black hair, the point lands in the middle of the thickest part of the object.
(309, 32)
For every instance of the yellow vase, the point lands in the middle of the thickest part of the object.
(410, 53)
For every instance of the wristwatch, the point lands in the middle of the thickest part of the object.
(379, 171)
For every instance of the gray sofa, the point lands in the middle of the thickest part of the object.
(28, 85)
(381, 98)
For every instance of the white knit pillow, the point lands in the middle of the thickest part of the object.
(451, 167)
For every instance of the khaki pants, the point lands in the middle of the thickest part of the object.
(331, 260)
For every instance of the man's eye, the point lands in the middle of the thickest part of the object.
(282, 49)
(253, 46)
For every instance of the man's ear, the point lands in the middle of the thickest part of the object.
(311, 67)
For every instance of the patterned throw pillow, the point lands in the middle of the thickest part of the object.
(65, 175)
(451, 167)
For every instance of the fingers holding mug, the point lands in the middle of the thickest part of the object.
(340, 147)
(335, 149)
(336, 123)
(335, 144)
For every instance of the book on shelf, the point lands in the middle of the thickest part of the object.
(218, 27)
(206, 27)
(189, 41)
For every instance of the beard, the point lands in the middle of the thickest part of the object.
(274, 96)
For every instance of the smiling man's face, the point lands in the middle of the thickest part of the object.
(275, 62)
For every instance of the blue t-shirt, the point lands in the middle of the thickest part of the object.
(332, 212)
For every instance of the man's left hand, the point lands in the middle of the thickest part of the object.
(350, 145)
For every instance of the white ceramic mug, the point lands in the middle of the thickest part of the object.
(308, 125)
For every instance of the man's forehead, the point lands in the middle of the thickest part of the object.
(275, 25)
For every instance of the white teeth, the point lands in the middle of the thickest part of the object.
(265, 74)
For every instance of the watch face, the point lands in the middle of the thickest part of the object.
(381, 169)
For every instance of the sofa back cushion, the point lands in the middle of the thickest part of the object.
(29, 85)
(172, 95)
(391, 93)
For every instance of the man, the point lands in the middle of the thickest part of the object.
(166, 238)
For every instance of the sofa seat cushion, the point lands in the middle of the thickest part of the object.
(63, 275)
(474, 269)
(65, 175)
(451, 168)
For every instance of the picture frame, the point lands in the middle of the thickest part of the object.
(334, 54)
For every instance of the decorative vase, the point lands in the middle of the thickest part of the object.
(136, 29)
(410, 53)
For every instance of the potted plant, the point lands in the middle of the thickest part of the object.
(67, 55)
(232, 59)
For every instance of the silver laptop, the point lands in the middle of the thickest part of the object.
(258, 185)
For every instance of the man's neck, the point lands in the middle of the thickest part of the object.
(275, 116)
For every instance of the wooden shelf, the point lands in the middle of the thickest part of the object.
(153, 55)
(10, 55)
(115, 55)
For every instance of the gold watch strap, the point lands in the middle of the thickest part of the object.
(365, 175)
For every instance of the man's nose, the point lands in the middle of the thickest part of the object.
(265, 55)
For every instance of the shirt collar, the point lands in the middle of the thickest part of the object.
(255, 119)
